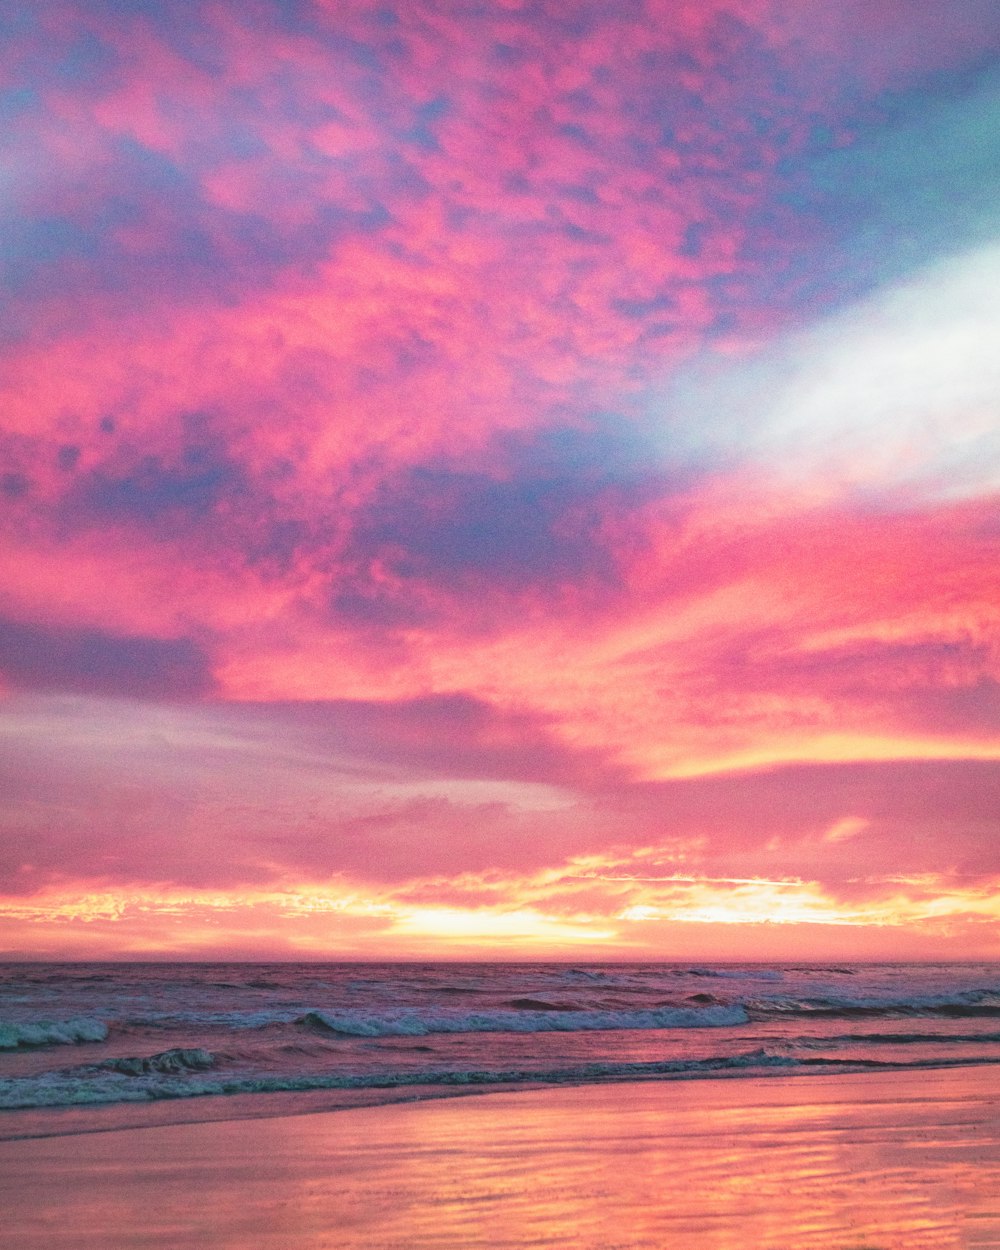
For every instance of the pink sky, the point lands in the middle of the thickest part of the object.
(510, 479)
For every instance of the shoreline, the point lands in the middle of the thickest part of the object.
(886, 1160)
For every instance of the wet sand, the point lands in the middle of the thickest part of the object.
(905, 1161)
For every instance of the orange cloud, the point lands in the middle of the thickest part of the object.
(546, 914)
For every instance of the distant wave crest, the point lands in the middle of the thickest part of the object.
(14, 1036)
(975, 1004)
(552, 1020)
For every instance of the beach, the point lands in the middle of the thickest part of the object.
(897, 1161)
(499, 625)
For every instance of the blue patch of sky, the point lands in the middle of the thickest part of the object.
(141, 177)
(87, 59)
(17, 19)
(185, 256)
(456, 532)
(200, 491)
(532, 521)
(421, 133)
(448, 524)
(17, 100)
(585, 452)
(26, 243)
(602, 448)
(154, 489)
(920, 181)
(641, 309)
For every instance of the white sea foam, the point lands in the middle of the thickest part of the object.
(88, 1086)
(558, 1021)
(75, 1088)
(50, 1033)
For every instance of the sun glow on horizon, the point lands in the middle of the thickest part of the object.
(631, 913)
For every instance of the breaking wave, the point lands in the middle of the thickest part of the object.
(528, 1017)
(168, 1061)
(51, 1033)
(77, 1089)
(83, 1086)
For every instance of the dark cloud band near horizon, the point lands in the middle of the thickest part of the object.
(450, 453)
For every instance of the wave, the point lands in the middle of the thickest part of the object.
(531, 1013)
(16, 1036)
(81, 1089)
(976, 1004)
(450, 989)
(539, 1004)
(901, 1039)
(78, 1087)
(168, 1061)
(524, 1020)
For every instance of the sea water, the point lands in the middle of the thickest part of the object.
(91, 1046)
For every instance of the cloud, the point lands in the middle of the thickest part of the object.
(442, 735)
(846, 828)
(894, 396)
(938, 684)
(234, 797)
(90, 661)
(513, 434)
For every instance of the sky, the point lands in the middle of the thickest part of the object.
(511, 479)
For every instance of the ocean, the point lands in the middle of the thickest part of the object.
(90, 1046)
